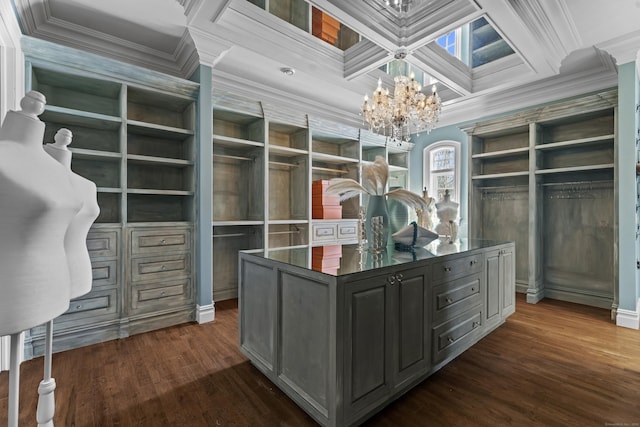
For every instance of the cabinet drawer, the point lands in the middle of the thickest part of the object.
(324, 232)
(160, 240)
(455, 336)
(96, 305)
(102, 244)
(147, 297)
(446, 270)
(164, 267)
(104, 273)
(454, 297)
(348, 230)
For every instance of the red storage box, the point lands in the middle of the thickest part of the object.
(326, 200)
(327, 251)
(326, 212)
(319, 263)
(319, 186)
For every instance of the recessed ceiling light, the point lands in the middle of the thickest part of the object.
(287, 71)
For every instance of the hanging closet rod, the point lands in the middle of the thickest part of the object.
(318, 168)
(231, 235)
(285, 232)
(283, 164)
(226, 156)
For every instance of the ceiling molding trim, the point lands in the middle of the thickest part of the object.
(10, 33)
(364, 57)
(624, 48)
(501, 73)
(526, 96)
(30, 15)
(224, 82)
(435, 61)
(209, 46)
(445, 19)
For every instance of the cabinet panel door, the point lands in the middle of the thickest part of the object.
(508, 284)
(412, 327)
(493, 287)
(367, 352)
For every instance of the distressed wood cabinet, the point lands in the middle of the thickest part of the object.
(344, 345)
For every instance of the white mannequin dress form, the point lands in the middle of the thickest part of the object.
(37, 203)
(447, 211)
(424, 215)
(75, 242)
(79, 262)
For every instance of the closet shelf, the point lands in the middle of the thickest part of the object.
(575, 169)
(228, 141)
(151, 191)
(501, 153)
(576, 142)
(137, 158)
(84, 153)
(286, 151)
(53, 113)
(500, 175)
(226, 223)
(332, 159)
(153, 129)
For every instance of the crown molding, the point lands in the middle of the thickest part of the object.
(528, 95)
(364, 57)
(624, 48)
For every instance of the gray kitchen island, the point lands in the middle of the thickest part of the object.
(346, 343)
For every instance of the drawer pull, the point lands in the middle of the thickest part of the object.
(448, 300)
(473, 289)
(164, 267)
(163, 242)
(78, 307)
(447, 268)
(474, 262)
(450, 339)
(399, 276)
(163, 293)
(476, 324)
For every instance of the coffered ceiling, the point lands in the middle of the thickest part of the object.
(562, 47)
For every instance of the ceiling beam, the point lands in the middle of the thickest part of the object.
(436, 62)
(364, 57)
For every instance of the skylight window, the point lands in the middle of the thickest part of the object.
(475, 44)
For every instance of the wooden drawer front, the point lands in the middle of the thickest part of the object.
(161, 267)
(348, 231)
(102, 244)
(325, 232)
(450, 269)
(156, 296)
(96, 303)
(160, 241)
(455, 297)
(104, 273)
(453, 337)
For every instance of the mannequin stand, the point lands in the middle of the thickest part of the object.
(14, 381)
(46, 400)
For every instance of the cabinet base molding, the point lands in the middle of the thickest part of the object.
(159, 320)
(205, 313)
(76, 337)
(535, 295)
(628, 318)
(578, 297)
(522, 287)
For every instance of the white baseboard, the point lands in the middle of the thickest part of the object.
(5, 343)
(205, 313)
(628, 318)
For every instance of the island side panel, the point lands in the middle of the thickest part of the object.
(257, 298)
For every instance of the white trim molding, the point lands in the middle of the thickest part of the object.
(205, 313)
(628, 318)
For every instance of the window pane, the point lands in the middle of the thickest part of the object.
(445, 182)
(443, 159)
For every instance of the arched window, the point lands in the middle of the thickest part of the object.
(442, 169)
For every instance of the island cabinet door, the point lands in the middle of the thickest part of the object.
(493, 294)
(411, 326)
(387, 338)
(367, 350)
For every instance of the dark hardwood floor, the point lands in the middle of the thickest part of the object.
(550, 364)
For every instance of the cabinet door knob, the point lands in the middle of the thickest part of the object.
(391, 279)
(399, 276)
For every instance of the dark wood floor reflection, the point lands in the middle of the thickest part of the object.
(551, 364)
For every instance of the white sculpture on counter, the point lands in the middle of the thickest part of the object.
(447, 211)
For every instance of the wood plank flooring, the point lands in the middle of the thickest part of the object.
(550, 364)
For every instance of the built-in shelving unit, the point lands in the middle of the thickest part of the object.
(544, 179)
(135, 140)
(264, 164)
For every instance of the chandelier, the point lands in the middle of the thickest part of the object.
(408, 111)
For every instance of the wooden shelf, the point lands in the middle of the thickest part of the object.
(576, 142)
(287, 151)
(501, 153)
(150, 191)
(71, 116)
(500, 175)
(585, 168)
(332, 159)
(83, 153)
(228, 141)
(152, 129)
(136, 158)
(235, 222)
